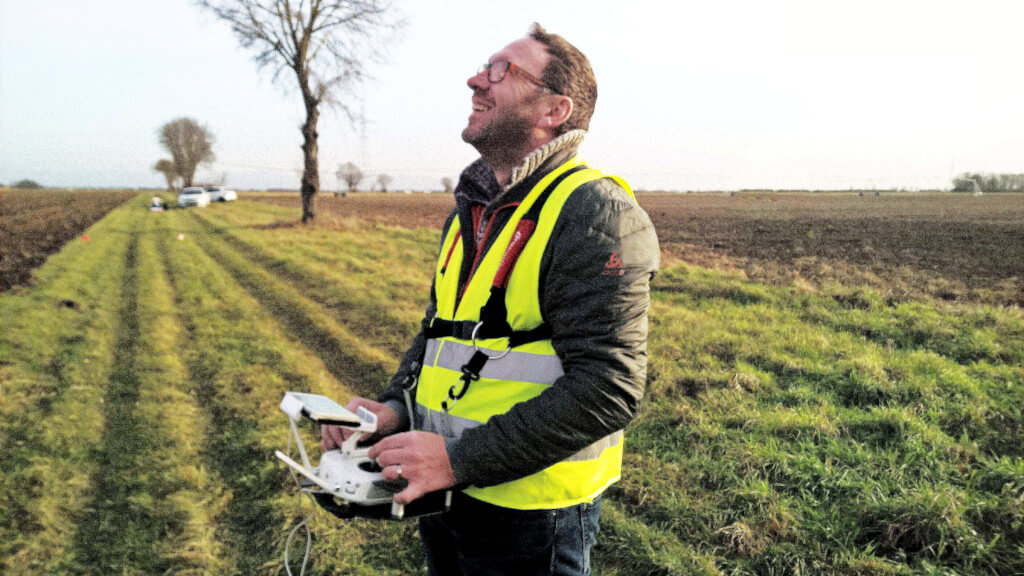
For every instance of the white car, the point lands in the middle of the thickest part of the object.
(193, 196)
(221, 194)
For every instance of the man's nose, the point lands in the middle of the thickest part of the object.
(478, 81)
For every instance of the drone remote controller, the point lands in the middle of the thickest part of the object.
(347, 482)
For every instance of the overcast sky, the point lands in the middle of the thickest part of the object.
(693, 95)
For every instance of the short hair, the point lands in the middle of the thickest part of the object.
(569, 73)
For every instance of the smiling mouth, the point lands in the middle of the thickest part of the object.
(479, 106)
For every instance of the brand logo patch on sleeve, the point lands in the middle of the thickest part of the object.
(614, 266)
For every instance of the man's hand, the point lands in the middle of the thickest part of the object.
(387, 423)
(422, 459)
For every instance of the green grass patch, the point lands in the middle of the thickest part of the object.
(831, 433)
(342, 272)
(362, 366)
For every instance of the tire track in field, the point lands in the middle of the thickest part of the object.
(356, 316)
(119, 533)
(365, 369)
(231, 450)
(69, 348)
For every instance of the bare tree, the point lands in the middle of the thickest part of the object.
(324, 42)
(383, 180)
(350, 174)
(446, 182)
(169, 170)
(190, 145)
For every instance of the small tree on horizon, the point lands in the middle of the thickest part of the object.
(383, 181)
(190, 145)
(169, 170)
(446, 183)
(350, 174)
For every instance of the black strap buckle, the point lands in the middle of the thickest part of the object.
(470, 374)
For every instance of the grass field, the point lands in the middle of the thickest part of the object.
(789, 428)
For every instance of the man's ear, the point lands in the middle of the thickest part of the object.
(557, 111)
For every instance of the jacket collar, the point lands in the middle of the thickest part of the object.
(477, 184)
(534, 160)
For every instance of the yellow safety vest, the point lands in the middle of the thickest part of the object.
(507, 363)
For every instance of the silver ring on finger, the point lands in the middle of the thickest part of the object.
(398, 471)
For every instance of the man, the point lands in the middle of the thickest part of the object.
(533, 354)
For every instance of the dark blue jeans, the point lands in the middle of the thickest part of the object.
(476, 539)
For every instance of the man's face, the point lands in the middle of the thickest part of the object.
(504, 113)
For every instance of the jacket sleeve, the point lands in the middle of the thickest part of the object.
(393, 395)
(596, 274)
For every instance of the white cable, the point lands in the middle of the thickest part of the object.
(288, 544)
(304, 523)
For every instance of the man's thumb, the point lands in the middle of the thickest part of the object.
(411, 493)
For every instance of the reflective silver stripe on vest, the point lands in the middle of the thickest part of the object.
(443, 424)
(454, 426)
(514, 366)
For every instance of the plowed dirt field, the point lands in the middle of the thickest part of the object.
(944, 246)
(36, 223)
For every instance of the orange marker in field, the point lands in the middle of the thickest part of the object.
(181, 237)
(85, 237)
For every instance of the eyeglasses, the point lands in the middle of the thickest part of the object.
(497, 70)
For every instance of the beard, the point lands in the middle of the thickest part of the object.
(505, 139)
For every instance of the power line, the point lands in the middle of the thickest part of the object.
(260, 166)
(404, 171)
